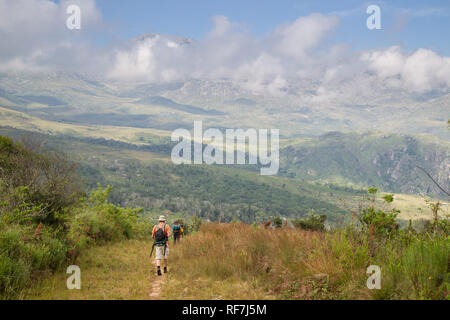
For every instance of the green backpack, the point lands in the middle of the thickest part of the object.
(160, 236)
(176, 229)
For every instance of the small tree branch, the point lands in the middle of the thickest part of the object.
(437, 184)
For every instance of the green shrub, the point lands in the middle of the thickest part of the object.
(377, 221)
(415, 268)
(14, 275)
(44, 220)
(277, 222)
(313, 222)
(425, 264)
(22, 255)
(51, 181)
(15, 269)
(100, 221)
(438, 225)
(12, 243)
(195, 224)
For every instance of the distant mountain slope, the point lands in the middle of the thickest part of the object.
(387, 161)
(143, 179)
(71, 97)
(161, 101)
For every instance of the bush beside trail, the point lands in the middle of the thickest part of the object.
(45, 220)
(240, 261)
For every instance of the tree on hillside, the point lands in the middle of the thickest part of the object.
(33, 178)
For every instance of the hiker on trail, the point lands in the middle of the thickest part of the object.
(161, 234)
(177, 230)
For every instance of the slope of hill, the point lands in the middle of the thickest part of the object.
(259, 264)
(145, 114)
(36, 244)
(387, 161)
(143, 178)
(76, 98)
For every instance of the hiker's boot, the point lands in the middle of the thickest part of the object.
(165, 269)
(159, 272)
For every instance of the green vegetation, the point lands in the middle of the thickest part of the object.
(312, 222)
(298, 263)
(113, 271)
(388, 161)
(377, 221)
(146, 179)
(241, 261)
(44, 220)
(287, 263)
(211, 192)
(48, 218)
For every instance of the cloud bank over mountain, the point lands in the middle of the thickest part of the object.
(34, 36)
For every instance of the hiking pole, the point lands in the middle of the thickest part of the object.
(151, 252)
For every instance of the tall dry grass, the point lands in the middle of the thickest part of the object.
(253, 262)
(238, 261)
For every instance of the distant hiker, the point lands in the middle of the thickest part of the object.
(177, 230)
(161, 234)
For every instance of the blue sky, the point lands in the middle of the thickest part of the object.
(263, 46)
(409, 24)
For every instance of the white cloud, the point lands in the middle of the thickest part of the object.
(424, 70)
(263, 73)
(293, 57)
(230, 51)
(300, 37)
(421, 71)
(386, 63)
(138, 62)
(34, 35)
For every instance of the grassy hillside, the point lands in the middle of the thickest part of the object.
(47, 222)
(238, 261)
(296, 264)
(138, 136)
(73, 98)
(147, 179)
(386, 161)
(46, 218)
(71, 107)
(213, 192)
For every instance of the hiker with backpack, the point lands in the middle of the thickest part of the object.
(161, 234)
(177, 232)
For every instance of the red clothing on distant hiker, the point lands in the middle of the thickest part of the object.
(166, 230)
